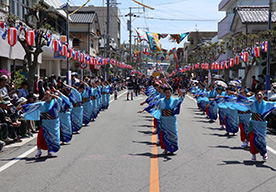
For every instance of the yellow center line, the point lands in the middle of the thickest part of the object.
(154, 170)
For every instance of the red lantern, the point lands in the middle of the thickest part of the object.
(237, 60)
(30, 37)
(257, 51)
(245, 56)
(12, 36)
(225, 64)
(55, 45)
(63, 51)
(75, 55)
(84, 58)
(81, 57)
(216, 66)
(231, 62)
(212, 66)
(69, 54)
(221, 65)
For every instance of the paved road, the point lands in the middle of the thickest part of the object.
(115, 153)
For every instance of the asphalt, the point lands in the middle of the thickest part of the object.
(114, 154)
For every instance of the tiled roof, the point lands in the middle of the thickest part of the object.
(83, 17)
(254, 14)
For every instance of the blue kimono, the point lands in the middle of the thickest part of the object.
(49, 113)
(231, 117)
(257, 123)
(65, 121)
(105, 97)
(149, 90)
(87, 105)
(166, 111)
(77, 111)
(222, 109)
(99, 99)
(94, 103)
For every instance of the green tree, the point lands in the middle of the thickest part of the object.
(243, 43)
(36, 18)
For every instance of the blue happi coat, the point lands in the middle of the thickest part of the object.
(65, 121)
(77, 111)
(94, 103)
(50, 120)
(87, 105)
(257, 123)
(166, 111)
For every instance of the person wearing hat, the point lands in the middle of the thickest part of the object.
(13, 115)
(3, 124)
(7, 122)
(24, 129)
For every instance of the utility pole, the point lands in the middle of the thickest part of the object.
(68, 75)
(268, 49)
(129, 26)
(106, 71)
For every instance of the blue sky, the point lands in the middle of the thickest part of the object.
(172, 9)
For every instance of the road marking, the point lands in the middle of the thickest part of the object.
(7, 165)
(271, 150)
(117, 97)
(15, 160)
(267, 147)
(154, 170)
(191, 98)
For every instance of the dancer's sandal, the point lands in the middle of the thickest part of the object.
(38, 155)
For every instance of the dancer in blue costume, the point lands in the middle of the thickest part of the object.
(98, 99)
(213, 106)
(257, 124)
(77, 110)
(166, 110)
(201, 97)
(66, 132)
(222, 110)
(231, 118)
(211, 97)
(49, 134)
(85, 92)
(244, 117)
(154, 95)
(100, 104)
(94, 101)
(106, 95)
(109, 92)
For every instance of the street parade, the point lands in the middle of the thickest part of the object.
(133, 95)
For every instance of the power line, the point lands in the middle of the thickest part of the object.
(171, 19)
